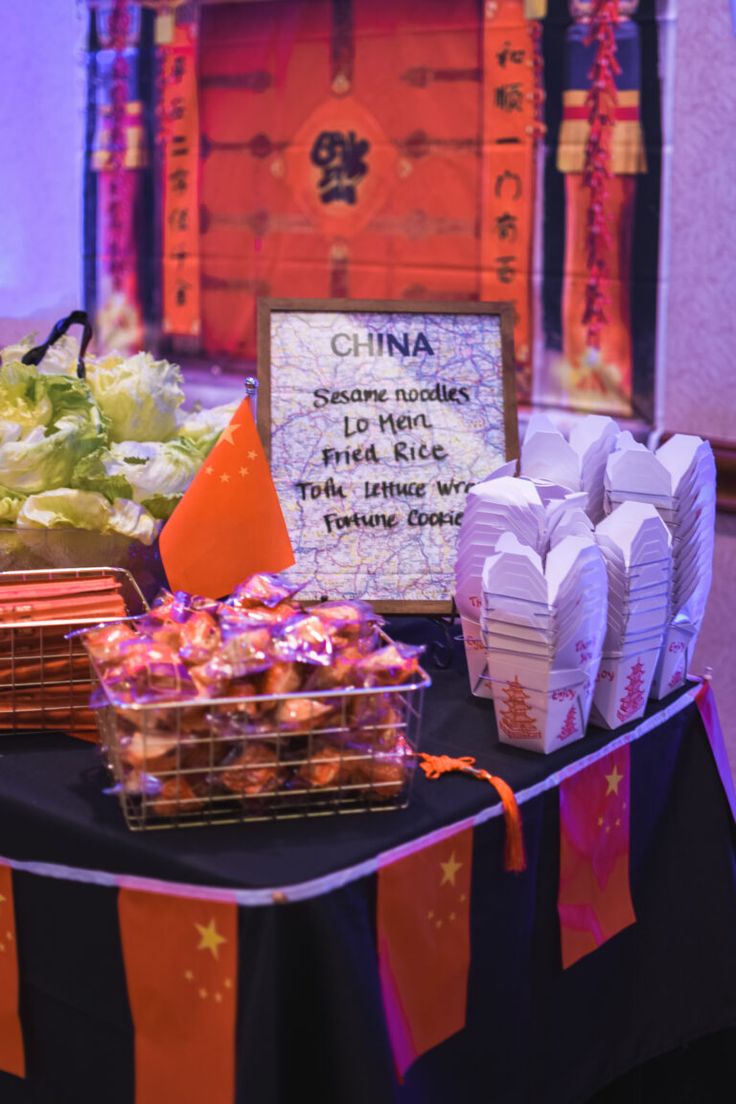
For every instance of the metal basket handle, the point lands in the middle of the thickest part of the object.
(76, 318)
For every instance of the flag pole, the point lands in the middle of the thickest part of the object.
(250, 383)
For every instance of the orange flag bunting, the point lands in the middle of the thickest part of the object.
(423, 926)
(12, 1054)
(181, 963)
(594, 897)
(229, 523)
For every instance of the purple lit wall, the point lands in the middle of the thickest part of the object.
(41, 130)
(700, 376)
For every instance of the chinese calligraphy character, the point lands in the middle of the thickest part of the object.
(505, 269)
(516, 57)
(512, 178)
(179, 218)
(182, 288)
(180, 145)
(179, 68)
(340, 157)
(179, 179)
(176, 111)
(509, 97)
(506, 227)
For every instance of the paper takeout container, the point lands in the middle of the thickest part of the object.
(622, 687)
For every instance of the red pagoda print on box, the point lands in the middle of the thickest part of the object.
(514, 719)
(678, 677)
(633, 698)
(570, 725)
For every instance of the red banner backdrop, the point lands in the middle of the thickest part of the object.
(343, 156)
(508, 150)
(180, 170)
(511, 130)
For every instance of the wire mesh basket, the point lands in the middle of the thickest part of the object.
(68, 549)
(234, 759)
(45, 681)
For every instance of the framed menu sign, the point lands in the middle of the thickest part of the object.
(377, 418)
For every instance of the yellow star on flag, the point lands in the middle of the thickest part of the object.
(210, 938)
(227, 434)
(224, 478)
(449, 870)
(243, 471)
(251, 456)
(613, 779)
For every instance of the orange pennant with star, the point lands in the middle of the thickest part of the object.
(12, 1053)
(594, 896)
(229, 523)
(181, 963)
(423, 924)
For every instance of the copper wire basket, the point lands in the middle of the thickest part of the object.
(269, 756)
(45, 679)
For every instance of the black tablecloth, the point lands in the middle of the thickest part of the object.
(310, 1019)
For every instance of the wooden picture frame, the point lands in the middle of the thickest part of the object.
(284, 431)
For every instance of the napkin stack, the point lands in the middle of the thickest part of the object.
(637, 548)
(536, 513)
(44, 677)
(543, 624)
(679, 479)
(579, 463)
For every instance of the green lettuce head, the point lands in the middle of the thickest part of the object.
(45, 459)
(139, 396)
(47, 423)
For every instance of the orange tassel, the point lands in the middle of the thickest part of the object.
(435, 765)
(514, 852)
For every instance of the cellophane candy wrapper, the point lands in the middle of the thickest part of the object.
(255, 706)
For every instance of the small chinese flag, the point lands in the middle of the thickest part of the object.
(12, 1055)
(594, 896)
(181, 962)
(229, 523)
(423, 926)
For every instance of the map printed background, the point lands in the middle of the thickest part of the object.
(372, 453)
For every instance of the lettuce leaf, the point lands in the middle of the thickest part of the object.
(66, 509)
(203, 427)
(10, 504)
(98, 471)
(132, 520)
(156, 467)
(162, 506)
